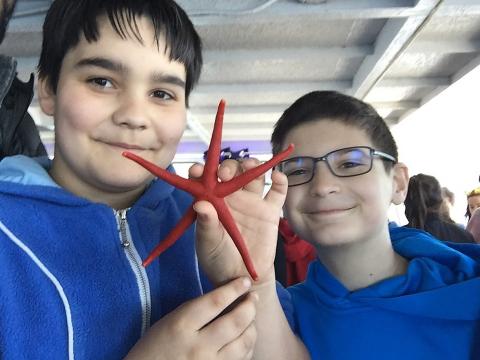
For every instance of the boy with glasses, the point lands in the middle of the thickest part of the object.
(373, 292)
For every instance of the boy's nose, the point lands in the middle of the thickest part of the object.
(131, 113)
(323, 182)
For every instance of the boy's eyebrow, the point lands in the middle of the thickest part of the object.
(170, 79)
(102, 63)
(120, 68)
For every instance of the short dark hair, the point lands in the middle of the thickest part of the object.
(334, 106)
(66, 20)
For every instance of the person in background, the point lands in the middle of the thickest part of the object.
(18, 133)
(448, 202)
(423, 210)
(473, 202)
(473, 225)
(473, 213)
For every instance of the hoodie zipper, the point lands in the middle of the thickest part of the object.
(136, 266)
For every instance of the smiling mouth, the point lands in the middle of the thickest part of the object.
(124, 146)
(327, 212)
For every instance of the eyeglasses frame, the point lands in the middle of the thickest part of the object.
(373, 153)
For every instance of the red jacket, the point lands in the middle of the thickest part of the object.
(298, 254)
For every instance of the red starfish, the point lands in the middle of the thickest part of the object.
(209, 188)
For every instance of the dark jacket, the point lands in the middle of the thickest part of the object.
(18, 133)
(446, 231)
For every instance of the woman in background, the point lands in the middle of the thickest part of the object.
(473, 213)
(424, 210)
(473, 200)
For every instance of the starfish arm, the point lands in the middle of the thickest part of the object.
(239, 181)
(190, 186)
(230, 226)
(187, 219)
(213, 153)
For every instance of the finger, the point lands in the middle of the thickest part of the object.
(278, 191)
(208, 229)
(233, 324)
(257, 185)
(228, 169)
(206, 308)
(241, 347)
(195, 171)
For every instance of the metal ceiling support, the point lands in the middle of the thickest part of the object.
(280, 108)
(337, 10)
(414, 82)
(254, 10)
(336, 52)
(253, 89)
(312, 1)
(27, 8)
(460, 8)
(439, 46)
(394, 38)
(197, 128)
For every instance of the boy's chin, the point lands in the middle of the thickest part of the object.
(335, 239)
(127, 181)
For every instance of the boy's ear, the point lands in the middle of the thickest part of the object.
(46, 96)
(400, 183)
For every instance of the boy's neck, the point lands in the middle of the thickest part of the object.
(116, 200)
(360, 265)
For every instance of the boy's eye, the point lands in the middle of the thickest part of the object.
(162, 95)
(101, 82)
(349, 164)
(298, 172)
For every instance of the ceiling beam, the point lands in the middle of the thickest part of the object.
(279, 108)
(275, 87)
(413, 82)
(439, 46)
(281, 11)
(197, 128)
(459, 8)
(255, 89)
(391, 42)
(250, 55)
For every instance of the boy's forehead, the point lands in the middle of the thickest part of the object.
(139, 29)
(130, 49)
(329, 128)
(320, 136)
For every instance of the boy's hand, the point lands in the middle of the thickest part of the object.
(256, 217)
(201, 329)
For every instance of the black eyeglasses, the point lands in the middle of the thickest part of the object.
(346, 162)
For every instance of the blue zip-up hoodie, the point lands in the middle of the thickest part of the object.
(71, 280)
(430, 312)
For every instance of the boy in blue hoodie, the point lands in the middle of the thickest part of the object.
(374, 292)
(116, 76)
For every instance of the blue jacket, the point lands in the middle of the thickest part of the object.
(71, 280)
(431, 312)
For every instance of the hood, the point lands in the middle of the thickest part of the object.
(442, 280)
(28, 177)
